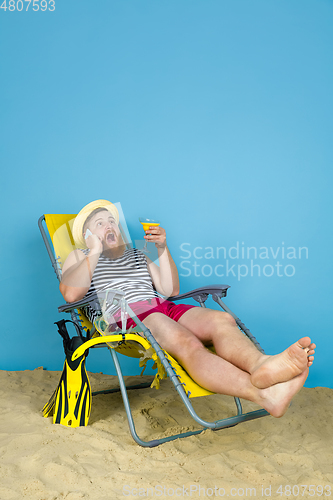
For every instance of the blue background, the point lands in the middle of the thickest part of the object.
(214, 116)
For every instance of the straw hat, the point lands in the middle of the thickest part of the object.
(84, 214)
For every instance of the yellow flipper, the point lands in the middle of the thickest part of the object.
(71, 401)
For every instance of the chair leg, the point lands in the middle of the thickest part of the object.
(153, 442)
(238, 406)
(219, 424)
(129, 387)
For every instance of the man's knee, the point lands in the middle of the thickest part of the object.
(229, 319)
(185, 343)
(220, 320)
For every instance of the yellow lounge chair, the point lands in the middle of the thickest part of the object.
(74, 393)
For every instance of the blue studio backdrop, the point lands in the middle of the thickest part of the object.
(214, 116)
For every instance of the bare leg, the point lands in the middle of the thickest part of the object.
(215, 373)
(232, 345)
(219, 329)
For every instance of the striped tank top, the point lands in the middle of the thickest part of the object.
(128, 273)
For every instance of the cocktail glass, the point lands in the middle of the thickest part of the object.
(146, 224)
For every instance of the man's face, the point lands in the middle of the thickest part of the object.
(105, 227)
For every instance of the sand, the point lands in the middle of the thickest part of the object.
(43, 461)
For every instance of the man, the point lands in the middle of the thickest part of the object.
(237, 369)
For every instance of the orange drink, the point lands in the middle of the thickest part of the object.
(146, 224)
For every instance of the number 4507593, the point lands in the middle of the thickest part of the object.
(20, 5)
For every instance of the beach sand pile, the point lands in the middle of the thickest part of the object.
(263, 458)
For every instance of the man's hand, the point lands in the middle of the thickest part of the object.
(165, 276)
(94, 243)
(157, 235)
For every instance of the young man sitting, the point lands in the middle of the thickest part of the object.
(237, 369)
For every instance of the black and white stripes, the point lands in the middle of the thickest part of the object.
(128, 273)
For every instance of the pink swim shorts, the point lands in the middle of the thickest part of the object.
(146, 307)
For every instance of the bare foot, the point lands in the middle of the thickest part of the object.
(284, 366)
(276, 399)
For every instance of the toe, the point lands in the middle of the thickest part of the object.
(304, 342)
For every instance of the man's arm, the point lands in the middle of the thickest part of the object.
(78, 270)
(165, 276)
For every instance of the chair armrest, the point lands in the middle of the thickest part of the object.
(94, 300)
(70, 306)
(201, 294)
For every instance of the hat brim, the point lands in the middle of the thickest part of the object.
(82, 216)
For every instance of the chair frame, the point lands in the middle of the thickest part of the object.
(200, 295)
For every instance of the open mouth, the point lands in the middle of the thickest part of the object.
(110, 238)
